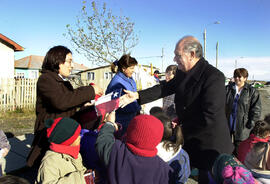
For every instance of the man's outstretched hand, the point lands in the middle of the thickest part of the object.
(128, 98)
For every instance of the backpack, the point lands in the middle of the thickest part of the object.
(258, 157)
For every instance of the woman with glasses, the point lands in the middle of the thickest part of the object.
(243, 107)
(56, 97)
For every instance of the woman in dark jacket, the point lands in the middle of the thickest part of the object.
(124, 69)
(243, 106)
(56, 97)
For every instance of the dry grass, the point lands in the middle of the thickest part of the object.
(18, 122)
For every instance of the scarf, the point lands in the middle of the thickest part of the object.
(69, 150)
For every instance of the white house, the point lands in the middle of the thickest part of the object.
(7, 49)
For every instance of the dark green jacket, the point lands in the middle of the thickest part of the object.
(248, 109)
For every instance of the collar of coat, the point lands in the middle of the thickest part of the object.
(123, 76)
(53, 74)
(198, 69)
(232, 85)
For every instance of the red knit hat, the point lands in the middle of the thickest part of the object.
(144, 133)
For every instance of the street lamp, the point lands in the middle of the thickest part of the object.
(235, 63)
(204, 38)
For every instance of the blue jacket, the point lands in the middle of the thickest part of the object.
(181, 166)
(179, 161)
(124, 115)
(87, 149)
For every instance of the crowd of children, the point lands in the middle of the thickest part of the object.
(150, 152)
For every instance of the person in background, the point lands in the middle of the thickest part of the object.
(168, 101)
(243, 107)
(4, 149)
(155, 110)
(156, 75)
(124, 68)
(56, 98)
(134, 160)
(267, 118)
(200, 105)
(170, 149)
(63, 162)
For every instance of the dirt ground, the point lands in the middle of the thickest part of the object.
(265, 99)
(17, 123)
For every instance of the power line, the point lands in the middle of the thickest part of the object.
(149, 57)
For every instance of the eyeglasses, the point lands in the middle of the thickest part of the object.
(69, 62)
(177, 56)
(235, 76)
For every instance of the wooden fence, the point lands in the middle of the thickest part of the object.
(17, 94)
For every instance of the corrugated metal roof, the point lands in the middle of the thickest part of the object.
(11, 43)
(35, 62)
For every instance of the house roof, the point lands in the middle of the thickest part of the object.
(10, 43)
(106, 66)
(35, 62)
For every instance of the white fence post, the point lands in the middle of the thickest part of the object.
(17, 93)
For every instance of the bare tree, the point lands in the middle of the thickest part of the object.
(101, 36)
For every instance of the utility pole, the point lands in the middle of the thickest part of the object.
(162, 57)
(204, 38)
(204, 43)
(217, 55)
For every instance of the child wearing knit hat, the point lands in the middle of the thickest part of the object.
(228, 170)
(134, 160)
(63, 162)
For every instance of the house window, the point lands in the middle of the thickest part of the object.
(19, 75)
(34, 75)
(90, 75)
(108, 75)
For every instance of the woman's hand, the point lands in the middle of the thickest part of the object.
(98, 90)
(88, 104)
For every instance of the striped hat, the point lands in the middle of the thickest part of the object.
(62, 131)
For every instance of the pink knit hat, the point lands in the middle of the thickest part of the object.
(227, 169)
(144, 133)
(237, 174)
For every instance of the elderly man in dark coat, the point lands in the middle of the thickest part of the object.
(199, 90)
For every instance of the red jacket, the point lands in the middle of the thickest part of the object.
(247, 145)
